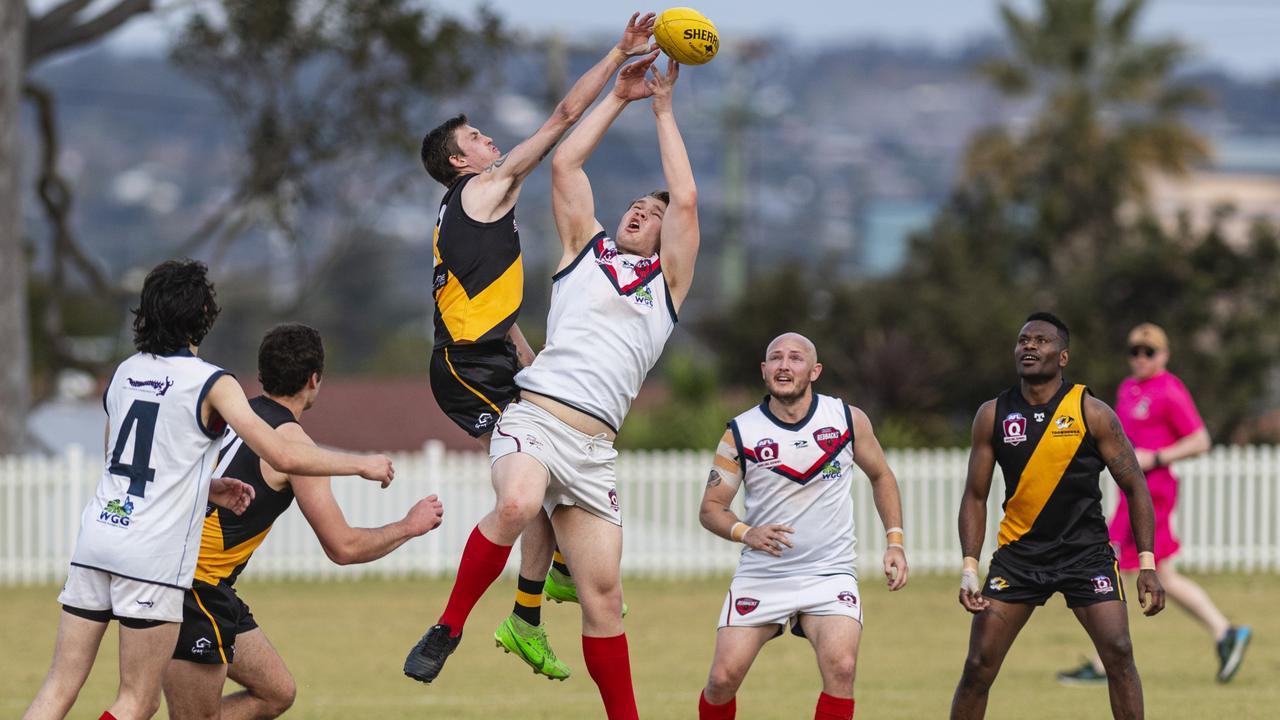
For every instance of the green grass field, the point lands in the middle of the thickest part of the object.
(345, 643)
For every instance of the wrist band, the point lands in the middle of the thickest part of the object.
(894, 536)
(970, 564)
(897, 545)
(1146, 561)
(733, 531)
(617, 55)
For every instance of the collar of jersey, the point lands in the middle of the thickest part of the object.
(655, 268)
(813, 408)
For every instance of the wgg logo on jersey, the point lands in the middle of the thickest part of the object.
(117, 513)
(643, 297)
(831, 471)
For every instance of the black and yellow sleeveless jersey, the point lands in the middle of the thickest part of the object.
(228, 540)
(478, 280)
(1051, 465)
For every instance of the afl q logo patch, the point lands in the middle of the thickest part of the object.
(745, 605)
(1015, 429)
(767, 452)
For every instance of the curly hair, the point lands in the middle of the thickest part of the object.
(288, 355)
(438, 145)
(177, 308)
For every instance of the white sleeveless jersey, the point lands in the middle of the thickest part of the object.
(799, 474)
(611, 315)
(145, 518)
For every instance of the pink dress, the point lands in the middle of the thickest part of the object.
(1155, 413)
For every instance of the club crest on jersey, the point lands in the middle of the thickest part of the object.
(613, 499)
(827, 438)
(1102, 585)
(998, 583)
(643, 265)
(831, 471)
(847, 598)
(745, 605)
(607, 256)
(767, 453)
(117, 513)
(643, 297)
(1065, 426)
(1015, 429)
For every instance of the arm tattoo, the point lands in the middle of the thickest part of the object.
(713, 479)
(496, 164)
(1123, 464)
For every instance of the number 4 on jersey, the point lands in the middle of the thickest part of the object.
(141, 422)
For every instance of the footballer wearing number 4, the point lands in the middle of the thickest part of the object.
(140, 533)
(794, 453)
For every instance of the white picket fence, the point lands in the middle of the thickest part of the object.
(1226, 519)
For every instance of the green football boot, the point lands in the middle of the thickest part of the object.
(530, 644)
(561, 588)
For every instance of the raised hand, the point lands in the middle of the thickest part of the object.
(660, 86)
(635, 39)
(231, 494)
(631, 83)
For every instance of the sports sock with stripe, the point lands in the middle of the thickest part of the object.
(528, 605)
(557, 562)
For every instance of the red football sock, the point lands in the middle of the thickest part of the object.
(610, 666)
(482, 562)
(726, 711)
(107, 716)
(831, 707)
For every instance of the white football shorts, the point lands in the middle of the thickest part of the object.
(98, 590)
(755, 601)
(580, 466)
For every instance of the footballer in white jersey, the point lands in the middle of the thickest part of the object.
(140, 534)
(794, 455)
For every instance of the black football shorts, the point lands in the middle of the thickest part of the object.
(1093, 579)
(474, 383)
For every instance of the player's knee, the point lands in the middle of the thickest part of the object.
(600, 600)
(281, 697)
(722, 684)
(1115, 648)
(979, 672)
(515, 511)
(840, 670)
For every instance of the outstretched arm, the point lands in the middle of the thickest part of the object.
(344, 544)
(572, 201)
(973, 506)
(227, 399)
(680, 233)
(869, 456)
(507, 174)
(1116, 451)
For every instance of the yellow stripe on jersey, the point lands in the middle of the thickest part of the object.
(1043, 472)
(469, 318)
(217, 562)
(217, 634)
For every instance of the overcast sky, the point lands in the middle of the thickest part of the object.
(1240, 35)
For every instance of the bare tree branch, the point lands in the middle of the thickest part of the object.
(53, 39)
(58, 16)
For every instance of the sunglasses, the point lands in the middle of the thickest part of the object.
(1137, 350)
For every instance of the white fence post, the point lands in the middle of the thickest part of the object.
(1226, 517)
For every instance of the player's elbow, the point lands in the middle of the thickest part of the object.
(565, 115)
(340, 553)
(706, 513)
(685, 195)
(279, 455)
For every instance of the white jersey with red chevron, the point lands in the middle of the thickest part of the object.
(145, 518)
(611, 315)
(799, 474)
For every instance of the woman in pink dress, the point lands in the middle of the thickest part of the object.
(1162, 422)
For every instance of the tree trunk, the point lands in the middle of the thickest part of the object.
(15, 355)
